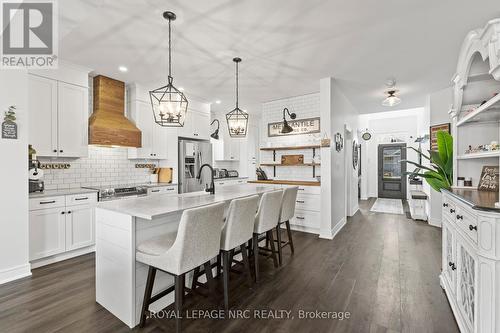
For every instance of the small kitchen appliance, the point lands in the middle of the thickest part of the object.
(232, 174)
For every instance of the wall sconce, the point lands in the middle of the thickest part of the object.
(215, 134)
(287, 128)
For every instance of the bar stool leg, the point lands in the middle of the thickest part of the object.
(273, 250)
(226, 266)
(179, 295)
(196, 274)
(256, 255)
(219, 265)
(289, 232)
(210, 279)
(147, 294)
(278, 236)
(246, 263)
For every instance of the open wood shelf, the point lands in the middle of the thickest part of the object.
(290, 148)
(485, 154)
(290, 165)
(489, 111)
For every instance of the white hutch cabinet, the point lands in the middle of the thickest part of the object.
(471, 224)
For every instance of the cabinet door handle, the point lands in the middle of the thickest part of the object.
(155, 191)
(445, 205)
(301, 189)
(460, 217)
(63, 213)
(170, 189)
(472, 227)
(69, 212)
(80, 199)
(61, 151)
(300, 218)
(47, 202)
(300, 201)
(452, 210)
(55, 150)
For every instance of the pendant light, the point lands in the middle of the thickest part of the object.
(215, 134)
(169, 103)
(237, 119)
(391, 99)
(287, 128)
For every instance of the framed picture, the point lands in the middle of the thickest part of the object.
(489, 179)
(433, 131)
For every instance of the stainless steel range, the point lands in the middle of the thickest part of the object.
(113, 192)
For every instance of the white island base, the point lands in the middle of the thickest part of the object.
(123, 224)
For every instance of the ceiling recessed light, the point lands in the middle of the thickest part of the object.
(217, 102)
(181, 88)
(123, 69)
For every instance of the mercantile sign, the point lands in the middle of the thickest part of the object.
(300, 126)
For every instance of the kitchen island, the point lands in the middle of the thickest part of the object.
(123, 224)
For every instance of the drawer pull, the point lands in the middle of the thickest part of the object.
(47, 202)
(300, 218)
(302, 189)
(69, 212)
(155, 191)
(445, 205)
(170, 189)
(83, 198)
(452, 210)
(460, 217)
(472, 227)
(300, 201)
(63, 213)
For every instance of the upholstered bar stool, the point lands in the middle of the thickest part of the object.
(265, 220)
(237, 231)
(287, 212)
(197, 241)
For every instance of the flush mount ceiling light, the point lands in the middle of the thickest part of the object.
(287, 128)
(391, 99)
(169, 103)
(123, 69)
(215, 134)
(237, 119)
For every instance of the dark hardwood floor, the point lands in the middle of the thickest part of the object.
(381, 268)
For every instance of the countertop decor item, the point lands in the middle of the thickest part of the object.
(286, 127)
(237, 119)
(169, 104)
(440, 173)
(489, 179)
(434, 129)
(292, 159)
(215, 134)
(9, 126)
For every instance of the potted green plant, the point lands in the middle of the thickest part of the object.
(439, 174)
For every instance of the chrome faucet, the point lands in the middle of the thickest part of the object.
(210, 189)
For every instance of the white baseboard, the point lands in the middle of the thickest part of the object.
(62, 256)
(435, 222)
(355, 211)
(333, 232)
(14, 273)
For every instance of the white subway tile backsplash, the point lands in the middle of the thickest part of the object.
(103, 166)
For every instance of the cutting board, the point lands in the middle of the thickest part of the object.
(165, 175)
(292, 159)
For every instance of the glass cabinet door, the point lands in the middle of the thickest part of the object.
(466, 284)
(391, 163)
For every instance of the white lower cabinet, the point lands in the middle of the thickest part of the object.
(172, 189)
(47, 232)
(67, 227)
(470, 272)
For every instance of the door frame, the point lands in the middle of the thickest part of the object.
(380, 182)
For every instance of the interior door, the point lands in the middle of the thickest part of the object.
(391, 172)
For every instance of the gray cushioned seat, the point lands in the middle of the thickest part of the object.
(157, 245)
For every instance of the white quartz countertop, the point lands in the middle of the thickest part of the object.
(61, 192)
(151, 207)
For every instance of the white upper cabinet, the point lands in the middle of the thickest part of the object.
(154, 136)
(59, 110)
(72, 119)
(42, 106)
(196, 126)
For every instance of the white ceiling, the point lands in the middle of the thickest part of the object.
(286, 45)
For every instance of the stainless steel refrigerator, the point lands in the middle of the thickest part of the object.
(192, 155)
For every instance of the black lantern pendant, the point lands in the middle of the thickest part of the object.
(169, 103)
(237, 119)
(287, 128)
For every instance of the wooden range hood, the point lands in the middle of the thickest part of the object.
(108, 125)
